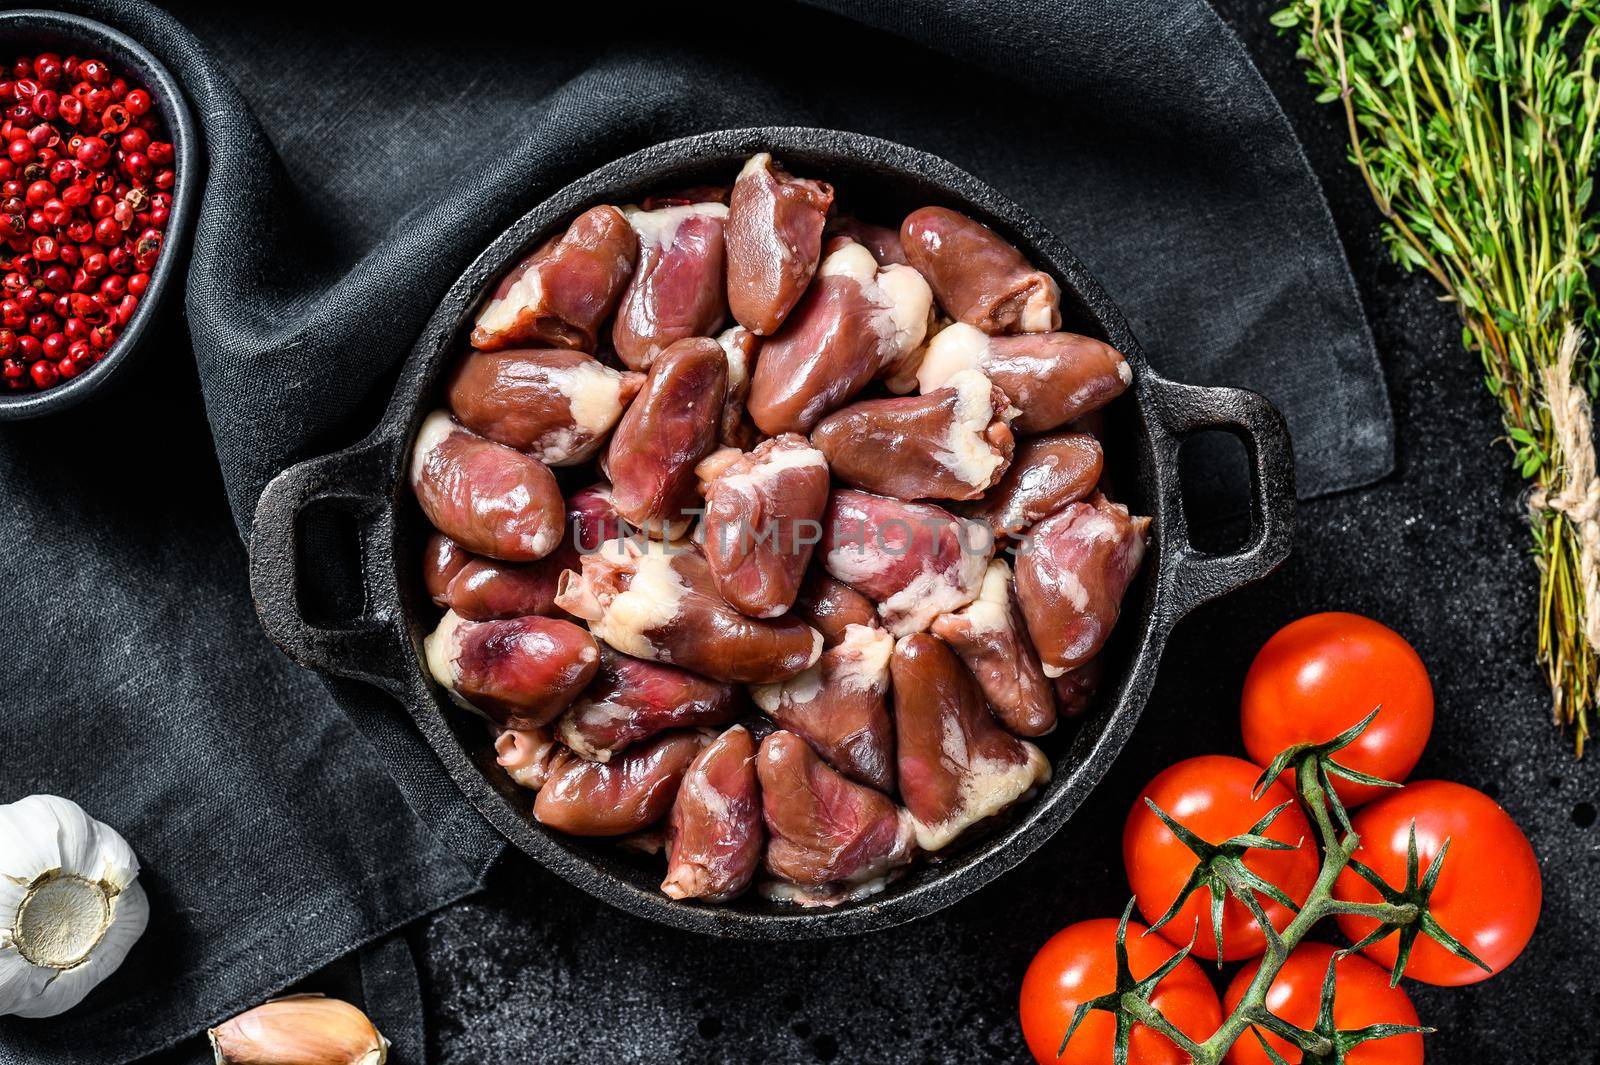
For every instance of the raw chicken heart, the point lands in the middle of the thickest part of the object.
(519, 673)
(1051, 378)
(677, 292)
(658, 601)
(631, 700)
(978, 277)
(715, 836)
(553, 404)
(830, 839)
(561, 293)
(486, 497)
(774, 240)
(953, 443)
(1046, 474)
(667, 430)
(632, 791)
(915, 560)
(855, 321)
(991, 638)
(956, 765)
(841, 706)
(1071, 576)
(762, 521)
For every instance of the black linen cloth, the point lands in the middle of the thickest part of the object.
(354, 166)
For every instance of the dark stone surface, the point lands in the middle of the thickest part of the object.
(534, 969)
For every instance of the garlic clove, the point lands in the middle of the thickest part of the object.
(19, 981)
(299, 1030)
(70, 908)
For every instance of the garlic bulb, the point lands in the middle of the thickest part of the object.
(299, 1030)
(70, 908)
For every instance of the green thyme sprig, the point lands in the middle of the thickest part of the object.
(1473, 123)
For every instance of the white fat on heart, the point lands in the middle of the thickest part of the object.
(756, 164)
(442, 646)
(856, 562)
(987, 786)
(594, 395)
(601, 713)
(659, 228)
(500, 313)
(954, 348)
(773, 462)
(803, 687)
(862, 665)
(565, 447)
(865, 653)
(967, 453)
(594, 403)
(715, 464)
(991, 611)
(933, 592)
(907, 299)
(1092, 524)
(436, 428)
(901, 294)
(650, 602)
(850, 260)
(544, 540)
(738, 361)
(1042, 312)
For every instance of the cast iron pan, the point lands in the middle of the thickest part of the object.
(877, 180)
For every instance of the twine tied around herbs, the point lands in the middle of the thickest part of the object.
(1579, 498)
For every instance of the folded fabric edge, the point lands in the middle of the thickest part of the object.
(1374, 458)
(391, 993)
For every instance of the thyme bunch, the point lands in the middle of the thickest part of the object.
(1472, 123)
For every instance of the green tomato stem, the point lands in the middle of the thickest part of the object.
(1318, 905)
(1378, 911)
(1150, 1017)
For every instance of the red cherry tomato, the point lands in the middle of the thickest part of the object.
(1322, 674)
(1362, 996)
(1079, 963)
(1210, 796)
(1489, 889)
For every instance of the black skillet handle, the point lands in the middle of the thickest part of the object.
(368, 648)
(1193, 576)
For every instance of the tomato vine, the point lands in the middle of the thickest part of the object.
(1402, 910)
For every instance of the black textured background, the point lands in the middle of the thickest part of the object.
(1436, 551)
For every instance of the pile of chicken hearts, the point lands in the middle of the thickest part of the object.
(897, 407)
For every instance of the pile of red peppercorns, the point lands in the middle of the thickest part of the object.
(88, 174)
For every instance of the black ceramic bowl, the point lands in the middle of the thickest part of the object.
(876, 180)
(28, 32)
